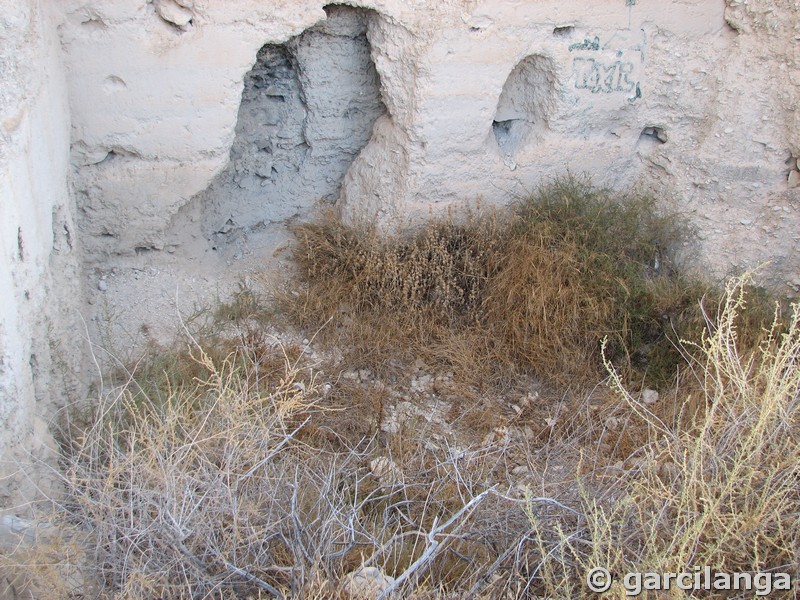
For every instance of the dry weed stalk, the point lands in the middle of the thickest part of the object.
(719, 490)
(212, 491)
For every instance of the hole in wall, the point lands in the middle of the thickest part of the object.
(307, 110)
(62, 235)
(502, 131)
(564, 32)
(793, 176)
(112, 84)
(113, 154)
(525, 104)
(94, 24)
(653, 134)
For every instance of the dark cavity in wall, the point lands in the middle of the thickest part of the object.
(308, 107)
(653, 134)
(525, 104)
(563, 32)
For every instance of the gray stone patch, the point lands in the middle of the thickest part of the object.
(307, 110)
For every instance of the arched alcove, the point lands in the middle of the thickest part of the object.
(525, 104)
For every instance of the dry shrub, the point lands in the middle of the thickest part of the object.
(531, 289)
(387, 301)
(224, 485)
(718, 490)
(222, 471)
(538, 305)
(40, 559)
(183, 493)
(216, 488)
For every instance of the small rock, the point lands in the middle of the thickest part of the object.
(520, 470)
(385, 471)
(649, 396)
(102, 285)
(367, 583)
(794, 179)
(612, 423)
(172, 12)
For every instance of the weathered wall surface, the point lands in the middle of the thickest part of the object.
(183, 126)
(40, 344)
(307, 110)
(483, 99)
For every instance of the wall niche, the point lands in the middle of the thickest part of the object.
(308, 107)
(525, 105)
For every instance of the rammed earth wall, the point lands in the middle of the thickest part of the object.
(135, 129)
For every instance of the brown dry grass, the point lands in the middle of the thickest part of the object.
(532, 289)
(236, 468)
(221, 487)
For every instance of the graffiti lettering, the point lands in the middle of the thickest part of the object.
(593, 75)
(586, 44)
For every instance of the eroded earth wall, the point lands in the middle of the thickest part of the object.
(42, 343)
(696, 100)
(140, 137)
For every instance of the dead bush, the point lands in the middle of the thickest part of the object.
(531, 289)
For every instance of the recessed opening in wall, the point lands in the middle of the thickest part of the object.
(308, 108)
(525, 104)
(793, 176)
(657, 135)
(565, 31)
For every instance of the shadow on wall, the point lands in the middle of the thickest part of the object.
(526, 104)
(308, 107)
